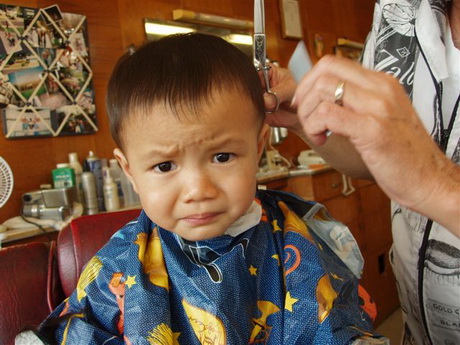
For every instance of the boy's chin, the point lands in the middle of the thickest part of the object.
(199, 236)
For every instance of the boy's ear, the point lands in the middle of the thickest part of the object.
(124, 164)
(263, 137)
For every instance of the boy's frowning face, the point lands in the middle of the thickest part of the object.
(195, 175)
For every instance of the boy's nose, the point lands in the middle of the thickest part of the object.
(199, 186)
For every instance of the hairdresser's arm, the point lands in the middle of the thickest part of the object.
(378, 119)
(337, 151)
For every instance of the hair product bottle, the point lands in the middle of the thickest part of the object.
(63, 176)
(95, 166)
(116, 172)
(111, 200)
(78, 169)
(130, 196)
(89, 191)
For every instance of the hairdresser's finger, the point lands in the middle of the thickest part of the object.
(284, 118)
(283, 84)
(321, 91)
(330, 117)
(339, 68)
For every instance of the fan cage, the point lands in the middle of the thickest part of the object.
(6, 181)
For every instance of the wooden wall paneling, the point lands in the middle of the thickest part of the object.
(24, 3)
(344, 21)
(333, 19)
(363, 11)
(133, 13)
(243, 9)
(217, 7)
(278, 48)
(351, 19)
(319, 15)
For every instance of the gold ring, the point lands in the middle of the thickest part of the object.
(277, 106)
(339, 90)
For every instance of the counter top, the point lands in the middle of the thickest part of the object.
(265, 177)
(18, 234)
(28, 230)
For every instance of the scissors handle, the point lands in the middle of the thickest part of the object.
(260, 62)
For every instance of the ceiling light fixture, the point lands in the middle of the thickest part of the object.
(164, 29)
(239, 39)
(201, 18)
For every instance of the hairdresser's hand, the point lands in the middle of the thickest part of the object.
(284, 85)
(378, 119)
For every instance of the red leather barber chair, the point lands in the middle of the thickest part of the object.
(82, 238)
(29, 287)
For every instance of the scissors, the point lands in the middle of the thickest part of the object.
(260, 53)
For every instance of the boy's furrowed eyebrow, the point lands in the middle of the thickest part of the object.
(228, 141)
(171, 151)
(159, 152)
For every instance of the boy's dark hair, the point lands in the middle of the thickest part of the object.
(178, 70)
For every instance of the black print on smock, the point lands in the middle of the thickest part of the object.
(445, 257)
(205, 257)
(397, 49)
(396, 45)
(443, 262)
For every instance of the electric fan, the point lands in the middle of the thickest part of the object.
(6, 182)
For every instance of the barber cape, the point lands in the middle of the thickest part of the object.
(290, 279)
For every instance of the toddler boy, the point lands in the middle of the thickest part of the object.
(209, 260)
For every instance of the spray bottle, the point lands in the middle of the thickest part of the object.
(116, 172)
(94, 165)
(111, 200)
(78, 169)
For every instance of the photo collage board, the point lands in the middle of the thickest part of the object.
(46, 84)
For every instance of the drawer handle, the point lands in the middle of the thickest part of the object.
(347, 186)
(335, 185)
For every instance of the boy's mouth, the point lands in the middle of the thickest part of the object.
(201, 219)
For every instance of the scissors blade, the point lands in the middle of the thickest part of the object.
(259, 36)
(259, 17)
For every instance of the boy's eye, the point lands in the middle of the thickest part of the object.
(164, 167)
(223, 157)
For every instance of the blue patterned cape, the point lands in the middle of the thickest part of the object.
(287, 280)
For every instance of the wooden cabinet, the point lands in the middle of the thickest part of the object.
(280, 184)
(366, 211)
